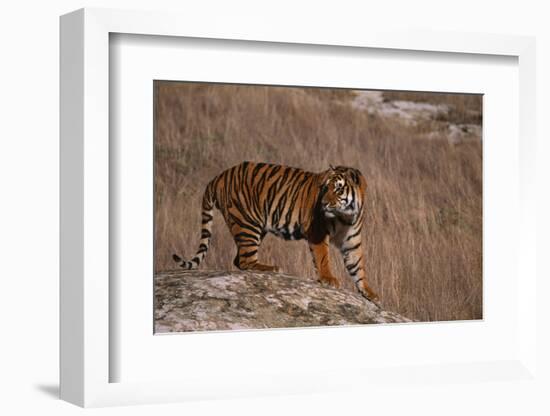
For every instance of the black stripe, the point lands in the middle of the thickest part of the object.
(293, 199)
(238, 237)
(246, 226)
(275, 218)
(274, 171)
(229, 181)
(249, 254)
(206, 216)
(352, 266)
(354, 234)
(353, 197)
(261, 182)
(248, 243)
(244, 212)
(257, 169)
(355, 271)
(347, 250)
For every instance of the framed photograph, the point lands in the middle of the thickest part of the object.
(231, 149)
(296, 204)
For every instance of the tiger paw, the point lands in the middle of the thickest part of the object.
(368, 294)
(330, 281)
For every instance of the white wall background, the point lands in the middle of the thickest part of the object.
(29, 116)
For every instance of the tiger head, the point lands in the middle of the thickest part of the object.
(342, 193)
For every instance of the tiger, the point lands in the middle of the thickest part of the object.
(294, 204)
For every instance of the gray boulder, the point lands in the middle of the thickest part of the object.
(223, 300)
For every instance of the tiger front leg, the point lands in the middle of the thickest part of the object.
(355, 265)
(320, 253)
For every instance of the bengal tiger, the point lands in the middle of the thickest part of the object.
(260, 198)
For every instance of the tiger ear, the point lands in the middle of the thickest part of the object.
(331, 167)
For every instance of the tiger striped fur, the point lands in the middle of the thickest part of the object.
(323, 208)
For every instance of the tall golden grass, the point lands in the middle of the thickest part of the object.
(423, 233)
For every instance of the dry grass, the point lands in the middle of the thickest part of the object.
(424, 224)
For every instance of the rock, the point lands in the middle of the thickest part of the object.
(410, 112)
(222, 300)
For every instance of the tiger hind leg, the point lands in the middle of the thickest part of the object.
(247, 250)
(247, 259)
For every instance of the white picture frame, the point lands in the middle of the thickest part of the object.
(85, 354)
